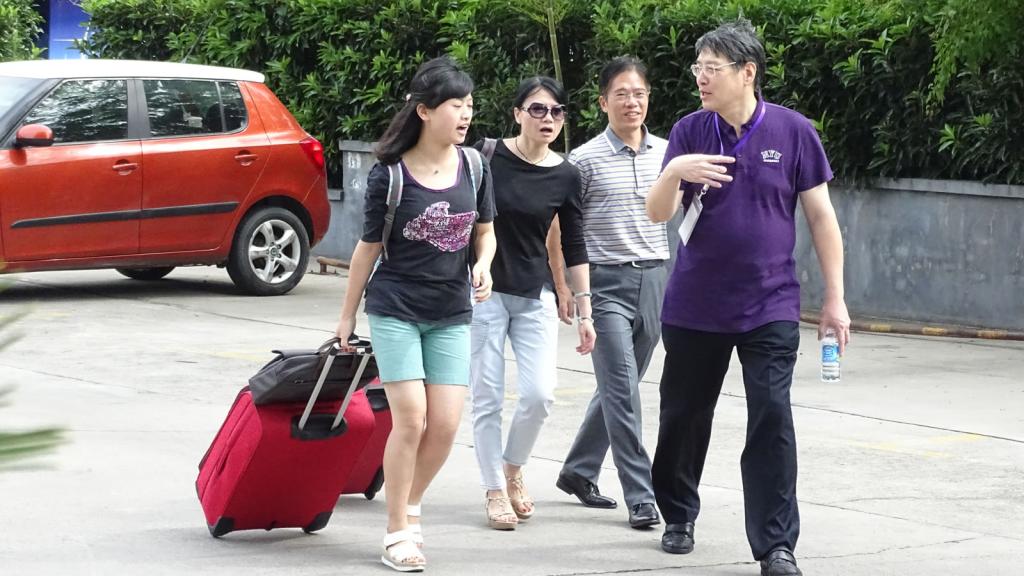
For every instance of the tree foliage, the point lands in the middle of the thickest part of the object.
(972, 35)
(897, 88)
(19, 29)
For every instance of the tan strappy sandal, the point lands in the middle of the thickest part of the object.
(500, 514)
(521, 502)
(401, 553)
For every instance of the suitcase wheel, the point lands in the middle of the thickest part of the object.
(222, 527)
(375, 484)
(318, 523)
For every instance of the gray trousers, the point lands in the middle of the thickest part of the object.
(627, 309)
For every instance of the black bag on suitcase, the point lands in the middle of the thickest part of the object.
(292, 374)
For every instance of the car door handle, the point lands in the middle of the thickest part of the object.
(124, 168)
(245, 158)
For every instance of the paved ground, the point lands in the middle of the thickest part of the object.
(914, 464)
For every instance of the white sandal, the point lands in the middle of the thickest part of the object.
(415, 511)
(401, 553)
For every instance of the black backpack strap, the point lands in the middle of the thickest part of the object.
(395, 183)
(488, 148)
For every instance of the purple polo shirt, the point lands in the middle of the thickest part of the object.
(738, 272)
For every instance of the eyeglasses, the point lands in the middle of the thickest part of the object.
(539, 111)
(709, 70)
(624, 95)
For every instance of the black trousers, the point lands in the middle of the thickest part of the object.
(695, 367)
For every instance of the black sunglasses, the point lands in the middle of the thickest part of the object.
(539, 111)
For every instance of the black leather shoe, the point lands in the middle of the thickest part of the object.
(643, 516)
(678, 538)
(779, 562)
(585, 490)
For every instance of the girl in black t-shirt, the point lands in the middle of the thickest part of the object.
(533, 185)
(419, 301)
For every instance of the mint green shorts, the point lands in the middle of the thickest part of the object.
(418, 351)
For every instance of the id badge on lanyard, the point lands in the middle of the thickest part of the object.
(697, 206)
(692, 213)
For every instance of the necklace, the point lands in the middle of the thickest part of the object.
(433, 168)
(515, 142)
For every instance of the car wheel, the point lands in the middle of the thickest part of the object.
(155, 273)
(270, 252)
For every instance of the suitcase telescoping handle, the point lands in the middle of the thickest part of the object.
(331, 348)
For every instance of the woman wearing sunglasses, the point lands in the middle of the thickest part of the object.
(532, 185)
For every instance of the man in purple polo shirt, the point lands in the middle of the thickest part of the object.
(739, 166)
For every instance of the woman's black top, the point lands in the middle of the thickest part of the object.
(526, 198)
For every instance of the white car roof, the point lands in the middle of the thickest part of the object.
(45, 69)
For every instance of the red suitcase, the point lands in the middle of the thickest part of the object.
(368, 476)
(283, 465)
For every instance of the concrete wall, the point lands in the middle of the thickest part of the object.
(932, 251)
(347, 203)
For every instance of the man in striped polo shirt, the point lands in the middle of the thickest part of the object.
(627, 255)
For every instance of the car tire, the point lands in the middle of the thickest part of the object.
(148, 274)
(269, 253)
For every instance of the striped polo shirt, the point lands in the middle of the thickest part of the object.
(615, 181)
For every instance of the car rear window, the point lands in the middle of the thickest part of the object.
(84, 111)
(12, 90)
(235, 115)
(191, 107)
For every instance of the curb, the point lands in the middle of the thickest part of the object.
(921, 329)
(326, 263)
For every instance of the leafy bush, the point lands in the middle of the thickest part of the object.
(140, 29)
(19, 28)
(341, 66)
(862, 71)
(978, 86)
(897, 88)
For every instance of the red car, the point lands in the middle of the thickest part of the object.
(145, 166)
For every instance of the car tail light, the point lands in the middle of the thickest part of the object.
(314, 150)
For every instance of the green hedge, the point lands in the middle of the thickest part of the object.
(897, 88)
(19, 28)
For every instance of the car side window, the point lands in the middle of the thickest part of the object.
(84, 111)
(183, 107)
(235, 115)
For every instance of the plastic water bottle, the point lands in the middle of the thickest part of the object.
(830, 357)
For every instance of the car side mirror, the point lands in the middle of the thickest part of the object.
(33, 135)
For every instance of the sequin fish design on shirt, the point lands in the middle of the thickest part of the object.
(446, 232)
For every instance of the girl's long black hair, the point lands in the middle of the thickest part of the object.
(435, 82)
